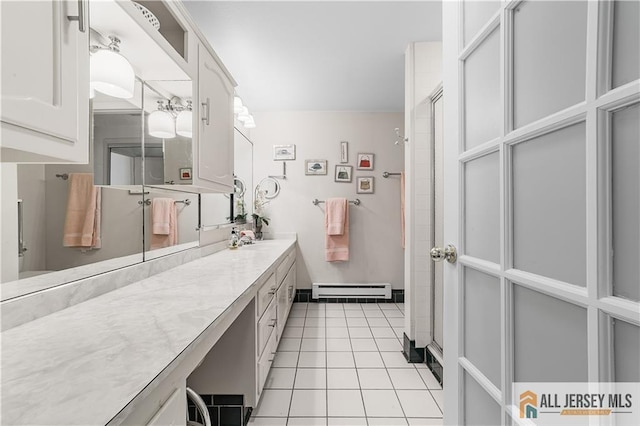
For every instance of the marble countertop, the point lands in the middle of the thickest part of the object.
(84, 364)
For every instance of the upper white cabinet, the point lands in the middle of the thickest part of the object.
(45, 82)
(215, 139)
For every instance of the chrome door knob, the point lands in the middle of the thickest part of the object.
(448, 253)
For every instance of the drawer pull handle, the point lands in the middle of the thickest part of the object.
(273, 291)
(273, 323)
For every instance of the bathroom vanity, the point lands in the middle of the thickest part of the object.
(126, 357)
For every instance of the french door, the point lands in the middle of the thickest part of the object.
(541, 199)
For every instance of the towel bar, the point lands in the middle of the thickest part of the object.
(147, 202)
(387, 174)
(356, 202)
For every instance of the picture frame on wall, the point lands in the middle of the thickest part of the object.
(343, 173)
(185, 173)
(315, 167)
(364, 185)
(365, 161)
(284, 152)
(344, 152)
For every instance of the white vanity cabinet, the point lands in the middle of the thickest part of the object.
(45, 81)
(214, 154)
(277, 293)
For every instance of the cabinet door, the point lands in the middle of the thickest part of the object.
(283, 303)
(215, 141)
(45, 82)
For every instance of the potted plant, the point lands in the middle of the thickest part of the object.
(240, 212)
(259, 218)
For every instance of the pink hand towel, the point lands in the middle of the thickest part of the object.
(82, 220)
(336, 219)
(164, 223)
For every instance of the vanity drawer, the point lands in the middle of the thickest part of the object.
(266, 325)
(265, 361)
(281, 271)
(266, 294)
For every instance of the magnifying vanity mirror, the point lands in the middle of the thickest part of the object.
(269, 186)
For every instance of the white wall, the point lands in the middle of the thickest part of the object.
(8, 220)
(423, 73)
(375, 244)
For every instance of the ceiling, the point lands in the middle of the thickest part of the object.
(317, 55)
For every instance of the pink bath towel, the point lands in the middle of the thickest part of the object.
(336, 220)
(164, 223)
(82, 220)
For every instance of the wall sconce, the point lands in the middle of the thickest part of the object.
(170, 119)
(110, 72)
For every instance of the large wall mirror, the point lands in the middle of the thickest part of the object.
(75, 221)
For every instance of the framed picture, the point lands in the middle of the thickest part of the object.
(364, 185)
(284, 152)
(185, 173)
(343, 173)
(344, 152)
(365, 161)
(315, 167)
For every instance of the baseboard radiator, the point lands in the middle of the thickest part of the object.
(356, 290)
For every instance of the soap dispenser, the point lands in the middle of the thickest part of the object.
(234, 240)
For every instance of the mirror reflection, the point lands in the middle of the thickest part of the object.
(69, 224)
(168, 132)
(117, 138)
(243, 183)
(170, 221)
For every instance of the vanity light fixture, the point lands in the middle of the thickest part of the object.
(244, 114)
(161, 124)
(249, 123)
(237, 104)
(110, 72)
(184, 121)
(170, 119)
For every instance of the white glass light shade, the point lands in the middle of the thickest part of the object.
(112, 74)
(184, 124)
(161, 125)
(244, 114)
(237, 104)
(249, 123)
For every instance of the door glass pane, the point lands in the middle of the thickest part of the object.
(626, 351)
(626, 42)
(482, 207)
(550, 338)
(482, 323)
(625, 151)
(476, 15)
(482, 92)
(549, 45)
(479, 407)
(549, 205)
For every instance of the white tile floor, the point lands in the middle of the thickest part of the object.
(342, 365)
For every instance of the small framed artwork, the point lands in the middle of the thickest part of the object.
(315, 167)
(284, 152)
(364, 185)
(185, 173)
(365, 161)
(344, 152)
(343, 173)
